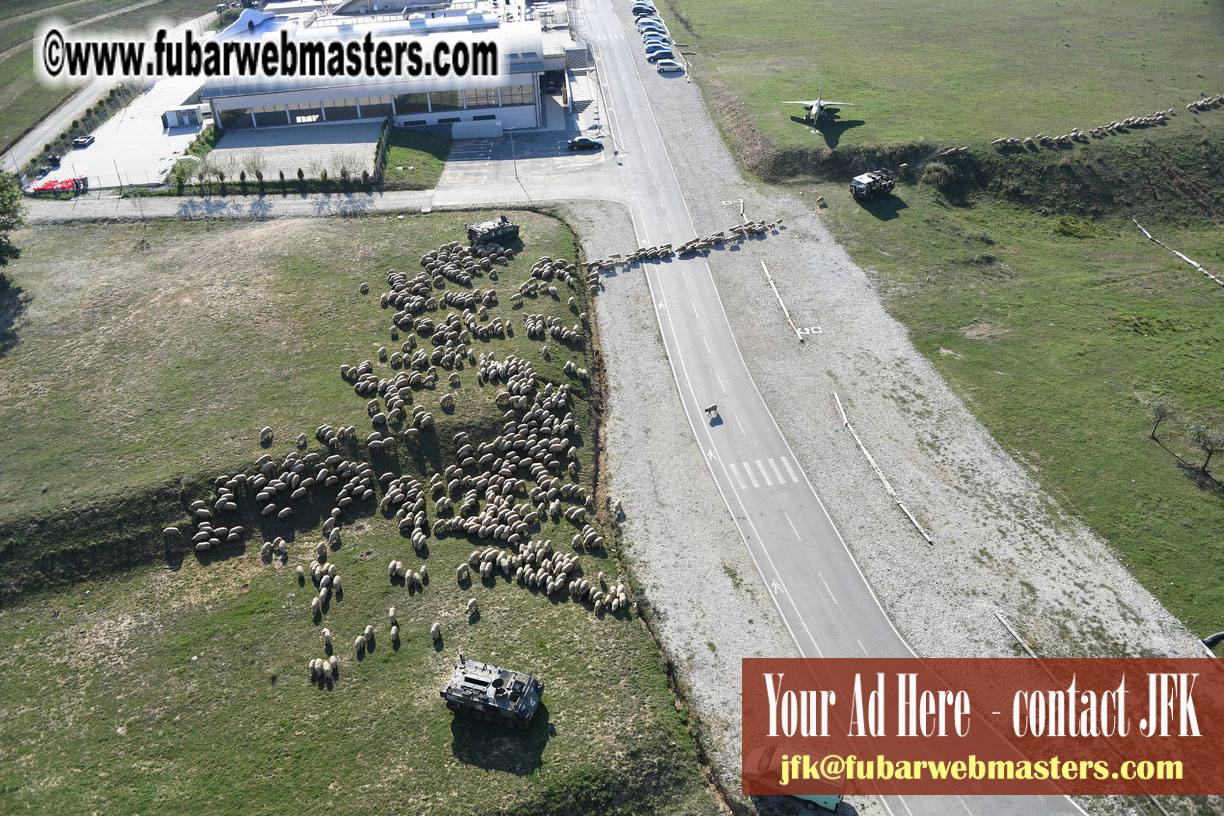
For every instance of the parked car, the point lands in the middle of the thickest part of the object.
(650, 21)
(660, 55)
(652, 29)
(645, 11)
(585, 143)
(655, 49)
(83, 141)
(652, 39)
(664, 66)
(53, 161)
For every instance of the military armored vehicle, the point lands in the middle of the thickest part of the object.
(869, 185)
(491, 693)
(499, 230)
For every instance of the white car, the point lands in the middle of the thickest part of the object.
(665, 66)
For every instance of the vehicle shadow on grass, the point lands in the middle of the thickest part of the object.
(495, 747)
(12, 307)
(885, 208)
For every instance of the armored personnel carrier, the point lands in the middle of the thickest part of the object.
(499, 230)
(491, 693)
(870, 185)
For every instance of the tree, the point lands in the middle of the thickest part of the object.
(1210, 440)
(1159, 409)
(11, 217)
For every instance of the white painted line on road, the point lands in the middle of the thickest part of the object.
(764, 475)
(904, 805)
(723, 389)
(741, 426)
(707, 344)
(693, 306)
(748, 470)
(774, 466)
(826, 586)
(966, 807)
(738, 478)
(786, 464)
(861, 646)
(886, 807)
(792, 525)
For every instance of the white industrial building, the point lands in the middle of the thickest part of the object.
(512, 99)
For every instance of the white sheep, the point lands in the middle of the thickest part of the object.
(359, 644)
(369, 633)
(327, 638)
(395, 634)
(435, 631)
(471, 606)
(391, 615)
(316, 607)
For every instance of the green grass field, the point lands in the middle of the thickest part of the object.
(953, 72)
(184, 682)
(23, 100)
(415, 159)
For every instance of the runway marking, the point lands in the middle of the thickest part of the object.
(861, 646)
(741, 426)
(735, 472)
(764, 475)
(723, 388)
(966, 807)
(707, 344)
(826, 586)
(907, 807)
(886, 807)
(748, 470)
(792, 525)
(786, 464)
(774, 467)
(693, 306)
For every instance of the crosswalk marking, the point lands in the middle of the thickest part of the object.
(735, 472)
(748, 470)
(778, 477)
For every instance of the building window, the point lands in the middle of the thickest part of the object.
(376, 106)
(445, 100)
(235, 118)
(484, 117)
(338, 110)
(481, 97)
(517, 95)
(410, 103)
(270, 115)
(304, 113)
(446, 120)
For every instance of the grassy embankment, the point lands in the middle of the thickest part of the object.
(1019, 273)
(187, 690)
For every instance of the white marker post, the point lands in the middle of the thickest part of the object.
(769, 278)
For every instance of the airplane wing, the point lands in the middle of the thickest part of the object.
(848, 104)
(808, 102)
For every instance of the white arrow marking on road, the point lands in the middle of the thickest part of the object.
(777, 587)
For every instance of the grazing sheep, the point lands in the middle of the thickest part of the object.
(265, 435)
(301, 575)
(435, 631)
(359, 644)
(471, 606)
(462, 574)
(368, 634)
(395, 634)
(327, 639)
(424, 576)
(391, 616)
(316, 607)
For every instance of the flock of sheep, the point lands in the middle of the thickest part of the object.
(1206, 103)
(499, 489)
(1079, 135)
(694, 246)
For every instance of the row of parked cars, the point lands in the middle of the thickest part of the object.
(655, 39)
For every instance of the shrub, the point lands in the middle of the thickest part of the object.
(1074, 227)
(940, 176)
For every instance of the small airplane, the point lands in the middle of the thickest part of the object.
(818, 109)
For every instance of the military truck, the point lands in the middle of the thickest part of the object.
(870, 185)
(499, 230)
(493, 694)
